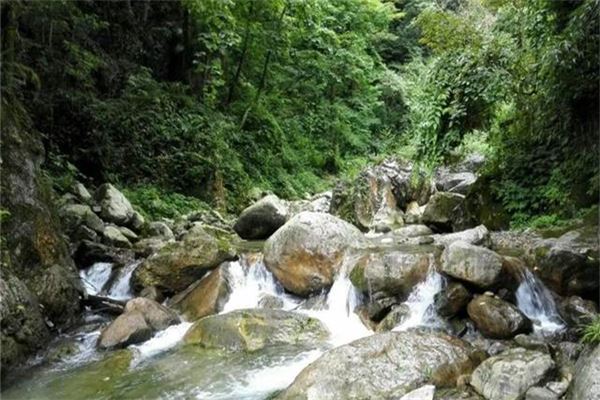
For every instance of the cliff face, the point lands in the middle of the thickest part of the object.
(39, 285)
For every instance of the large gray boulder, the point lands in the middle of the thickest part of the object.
(455, 182)
(179, 264)
(586, 385)
(443, 211)
(496, 318)
(451, 300)
(479, 236)
(508, 375)
(75, 215)
(569, 264)
(383, 366)
(261, 219)
(255, 329)
(114, 206)
(473, 264)
(393, 273)
(306, 253)
(113, 236)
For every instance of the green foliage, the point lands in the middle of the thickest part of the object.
(155, 203)
(591, 332)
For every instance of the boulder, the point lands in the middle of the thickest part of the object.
(157, 316)
(81, 193)
(451, 300)
(383, 366)
(443, 210)
(479, 236)
(410, 231)
(508, 375)
(137, 221)
(148, 246)
(160, 229)
(393, 273)
(455, 182)
(395, 317)
(577, 312)
(569, 265)
(496, 318)
(306, 253)
(177, 265)
(75, 215)
(423, 393)
(204, 297)
(540, 393)
(379, 193)
(586, 385)
(254, 329)
(262, 219)
(114, 206)
(473, 264)
(126, 329)
(112, 236)
(128, 233)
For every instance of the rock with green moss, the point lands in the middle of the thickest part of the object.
(114, 206)
(443, 210)
(569, 264)
(384, 366)
(306, 253)
(177, 265)
(393, 273)
(33, 247)
(261, 219)
(75, 215)
(113, 236)
(255, 329)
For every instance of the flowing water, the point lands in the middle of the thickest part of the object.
(163, 368)
(537, 303)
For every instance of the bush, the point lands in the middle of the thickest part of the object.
(155, 203)
(591, 332)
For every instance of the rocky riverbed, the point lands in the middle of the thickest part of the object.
(393, 286)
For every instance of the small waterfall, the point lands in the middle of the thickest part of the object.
(537, 303)
(250, 281)
(121, 287)
(420, 303)
(163, 341)
(95, 277)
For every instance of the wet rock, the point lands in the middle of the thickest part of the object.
(442, 210)
(395, 317)
(177, 265)
(112, 236)
(569, 265)
(81, 193)
(114, 206)
(383, 366)
(126, 329)
(476, 265)
(531, 342)
(577, 312)
(393, 273)
(88, 253)
(262, 219)
(270, 302)
(205, 297)
(255, 329)
(510, 374)
(479, 236)
(157, 316)
(496, 318)
(160, 229)
(148, 246)
(586, 385)
(378, 306)
(451, 300)
(75, 215)
(306, 253)
(83, 233)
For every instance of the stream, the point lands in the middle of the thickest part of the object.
(162, 368)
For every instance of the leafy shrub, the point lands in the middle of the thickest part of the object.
(591, 332)
(155, 203)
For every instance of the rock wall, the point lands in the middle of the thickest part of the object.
(39, 285)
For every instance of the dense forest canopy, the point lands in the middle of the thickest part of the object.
(209, 99)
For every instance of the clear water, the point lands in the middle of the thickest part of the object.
(421, 303)
(95, 278)
(121, 287)
(537, 303)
